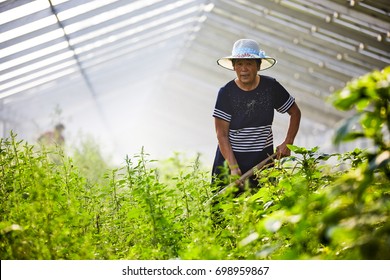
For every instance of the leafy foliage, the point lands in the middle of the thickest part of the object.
(310, 206)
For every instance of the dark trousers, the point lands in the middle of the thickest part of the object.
(221, 177)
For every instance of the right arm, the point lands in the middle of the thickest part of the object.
(222, 130)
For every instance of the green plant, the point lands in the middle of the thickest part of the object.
(41, 216)
(311, 205)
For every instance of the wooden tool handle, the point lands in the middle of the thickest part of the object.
(251, 171)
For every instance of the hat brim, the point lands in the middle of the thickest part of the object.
(266, 62)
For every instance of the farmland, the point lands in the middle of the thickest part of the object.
(312, 205)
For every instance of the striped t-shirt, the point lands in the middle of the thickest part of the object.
(251, 113)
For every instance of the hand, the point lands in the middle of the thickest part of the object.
(235, 177)
(282, 150)
(236, 172)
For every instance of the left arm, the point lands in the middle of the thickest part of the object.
(295, 119)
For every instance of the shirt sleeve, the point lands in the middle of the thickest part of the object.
(282, 98)
(223, 108)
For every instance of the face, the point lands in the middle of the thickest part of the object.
(246, 70)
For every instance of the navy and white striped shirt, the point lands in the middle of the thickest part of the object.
(251, 113)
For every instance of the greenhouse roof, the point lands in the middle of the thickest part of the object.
(148, 67)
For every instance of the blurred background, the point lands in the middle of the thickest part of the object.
(135, 74)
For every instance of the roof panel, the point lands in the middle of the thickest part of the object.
(120, 46)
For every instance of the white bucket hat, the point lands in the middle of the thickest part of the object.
(247, 49)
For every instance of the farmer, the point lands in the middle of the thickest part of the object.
(53, 138)
(244, 113)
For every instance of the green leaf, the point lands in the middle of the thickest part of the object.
(344, 130)
(345, 99)
(362, 104)
(294, 148)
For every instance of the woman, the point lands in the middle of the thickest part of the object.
(244, 112)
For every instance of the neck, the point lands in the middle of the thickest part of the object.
(248, 86)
